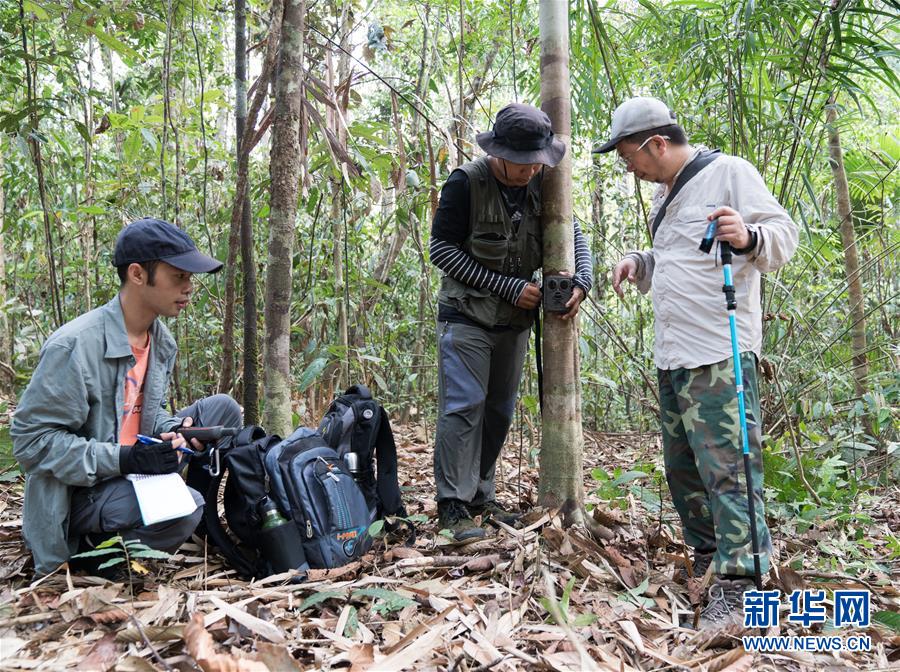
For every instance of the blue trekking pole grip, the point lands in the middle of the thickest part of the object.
(731, 304)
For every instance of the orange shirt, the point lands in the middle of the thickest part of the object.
(134, 396)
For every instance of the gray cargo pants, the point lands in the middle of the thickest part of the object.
(479, 373)
(110, 507)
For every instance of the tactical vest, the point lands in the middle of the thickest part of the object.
(497, 245)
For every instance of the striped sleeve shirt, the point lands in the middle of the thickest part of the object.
(451, 227)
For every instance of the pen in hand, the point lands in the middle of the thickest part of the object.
(147, 440)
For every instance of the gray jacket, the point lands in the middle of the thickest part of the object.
(66, 427)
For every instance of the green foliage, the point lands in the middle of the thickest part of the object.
(377, 528)
(122, 551)
(319, 597)
(889, 618)
(386, 601)
(613, 488)
(636, 595)
(576, 620)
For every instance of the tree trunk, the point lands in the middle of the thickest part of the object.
(851, 257)
(561, 478)
(247, 137)
(7, 386)
(89, 225)
(113, 97)
(284, 173)
(226, 374)
(248, 264)
(335, 81)
(460, 122)
(340, 287)
(598, 230)
(34, 145)
(391, 250)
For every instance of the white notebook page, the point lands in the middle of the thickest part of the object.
(162, 497)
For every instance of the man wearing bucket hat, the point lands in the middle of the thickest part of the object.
(101, 381)
(487, 240)
(702, 446)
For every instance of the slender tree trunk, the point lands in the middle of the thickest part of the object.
(226, 373)
(338, 233)
(598, 224)
(561, 478)
(338, 203)
(851, 257)
(425, 62)
(284, 172)
(240, 216)
(391, 250)
(166, 62)
(7, 381)
(113, 96)
(35, 147)
(88, 229)
(248, 265)
(461, 107)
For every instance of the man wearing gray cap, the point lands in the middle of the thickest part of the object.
(98, 393)
(692, 351)
(487, 239)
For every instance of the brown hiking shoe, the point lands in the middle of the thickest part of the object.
(453, 516)
(493, 510)
(725, 605)
(701, 562)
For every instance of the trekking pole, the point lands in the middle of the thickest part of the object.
(731, 304)
(537, 357)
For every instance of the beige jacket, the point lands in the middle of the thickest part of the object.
(691, 321)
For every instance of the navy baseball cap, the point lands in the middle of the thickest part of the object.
(151, 239)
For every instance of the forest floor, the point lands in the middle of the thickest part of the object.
(540, 597)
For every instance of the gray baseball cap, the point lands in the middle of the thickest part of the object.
(636, 115)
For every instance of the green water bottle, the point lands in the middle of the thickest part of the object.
(280, 540)
(271, 515)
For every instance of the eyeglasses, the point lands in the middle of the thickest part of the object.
(626, 160)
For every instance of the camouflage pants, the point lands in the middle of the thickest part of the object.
(705, 465)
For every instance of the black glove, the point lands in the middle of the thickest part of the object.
(154, 458)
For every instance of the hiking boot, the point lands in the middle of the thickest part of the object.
(453, 516)
(701, 562)
(725, 606)
(493, 510)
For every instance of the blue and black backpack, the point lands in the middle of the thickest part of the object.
(324, 515)
(326, 510)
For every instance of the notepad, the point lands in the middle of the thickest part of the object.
(162, 497)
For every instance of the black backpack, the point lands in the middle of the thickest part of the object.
(357, 425)
(324, 514)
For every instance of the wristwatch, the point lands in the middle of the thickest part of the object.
(754, 239)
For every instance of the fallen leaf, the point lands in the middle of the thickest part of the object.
(727, 659)
(277, 657)
(103, 654)
(200, 647)
(482, 563)
(139, 568)
(361, 657)
(114, 615)
(262, 628)
(401, 553)
(790, 580)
